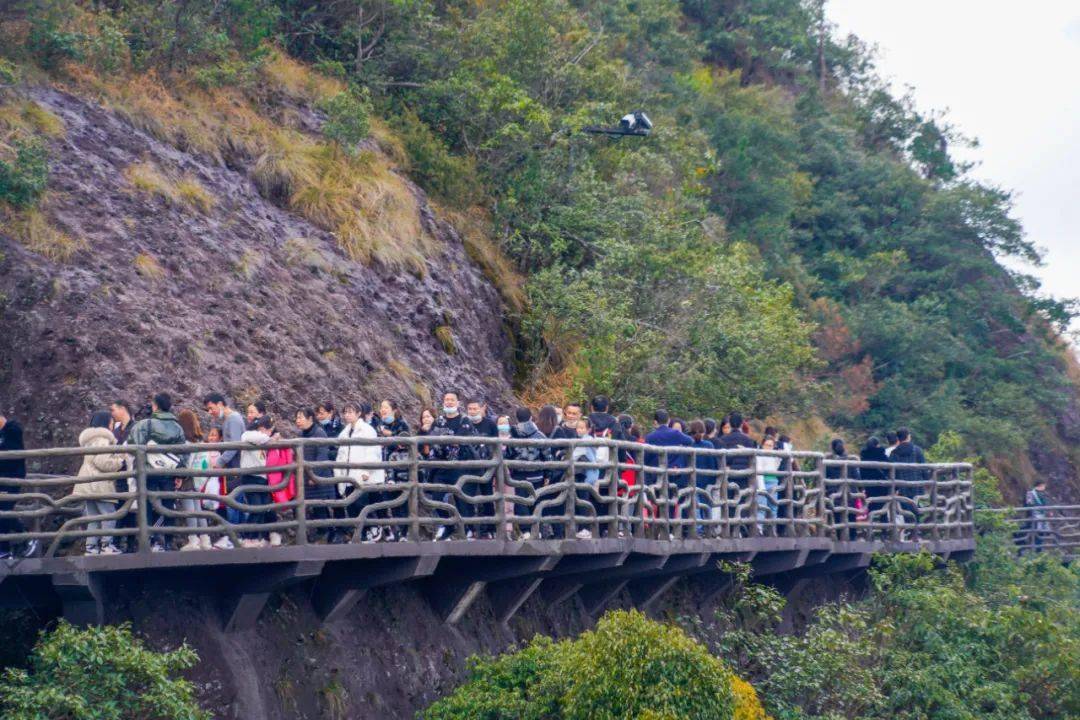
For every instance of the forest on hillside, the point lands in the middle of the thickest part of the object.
(793, 239)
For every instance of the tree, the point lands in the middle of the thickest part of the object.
(629, 667)
(101, 673)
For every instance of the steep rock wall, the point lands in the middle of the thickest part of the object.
(245, 297)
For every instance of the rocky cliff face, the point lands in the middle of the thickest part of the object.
(229, 293)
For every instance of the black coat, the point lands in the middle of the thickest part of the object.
(320, 453)
(11, 438)
(733, 441)
(909, 452)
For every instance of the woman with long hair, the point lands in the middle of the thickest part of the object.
(193, 433)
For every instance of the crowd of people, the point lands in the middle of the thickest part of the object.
(162, 425)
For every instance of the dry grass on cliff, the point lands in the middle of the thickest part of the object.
(26, 116)
(474, 226)
(359, 198)
(33, 229)
(185, 191)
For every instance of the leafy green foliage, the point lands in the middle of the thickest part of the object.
(628, 667)
(99, 674)
(347, 118)
(783, 177)
(25, 173)
(998, 639)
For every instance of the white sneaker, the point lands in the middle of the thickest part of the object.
(224, 543)
(584, 534)
(275, 539)
(373, 534)
(440, 533)
(157, 547)
(526, 535)
(191, 544)
(92, 550)
(469, 535)
(204, 542)
(110, 549)
(250, 543)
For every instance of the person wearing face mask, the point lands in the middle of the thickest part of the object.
(452, 423)
(392, 423)
(526, 481)
(485, 424)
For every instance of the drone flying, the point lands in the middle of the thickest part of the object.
(635, 123)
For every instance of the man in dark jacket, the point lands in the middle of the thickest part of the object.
(481, 418)
(452, 423)
(11, 438)
(908, 452)
(734, 440)
(161, 428)
(526, 429)
(663, 435)
(601, 420)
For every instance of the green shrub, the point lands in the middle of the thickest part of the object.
(101, 673)
(9, 73)
(24, 176)
(348, 118)
(628, 667)
(452, 178)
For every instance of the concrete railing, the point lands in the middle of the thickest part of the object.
(459, 489)
(1047, 528)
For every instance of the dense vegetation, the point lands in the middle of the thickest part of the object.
(99, 674)
(791, 236)
(999, 639)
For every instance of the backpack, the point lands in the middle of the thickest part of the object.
(164, 460)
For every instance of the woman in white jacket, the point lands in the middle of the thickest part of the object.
(356, 427)
(98, 435)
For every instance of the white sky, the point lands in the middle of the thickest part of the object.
(1008, 74)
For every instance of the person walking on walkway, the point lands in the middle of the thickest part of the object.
(451, 423)
(232, 428)
(315, 480)
(95, 493)
(358, 480)
(193, 433)
(161, 428)
(11, 438)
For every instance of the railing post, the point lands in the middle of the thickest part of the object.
(843, 532)
(793, 529)
(935, 529)
(665, 484)
(725, 511)
(500, 492)
(570, 505)
(895, 511)
(142, 516)
(692, 485)
(642, 505)
(301, 497)
(414, 491)
(613, 493)
(823, 489)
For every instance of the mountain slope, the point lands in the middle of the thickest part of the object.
(225, 292)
